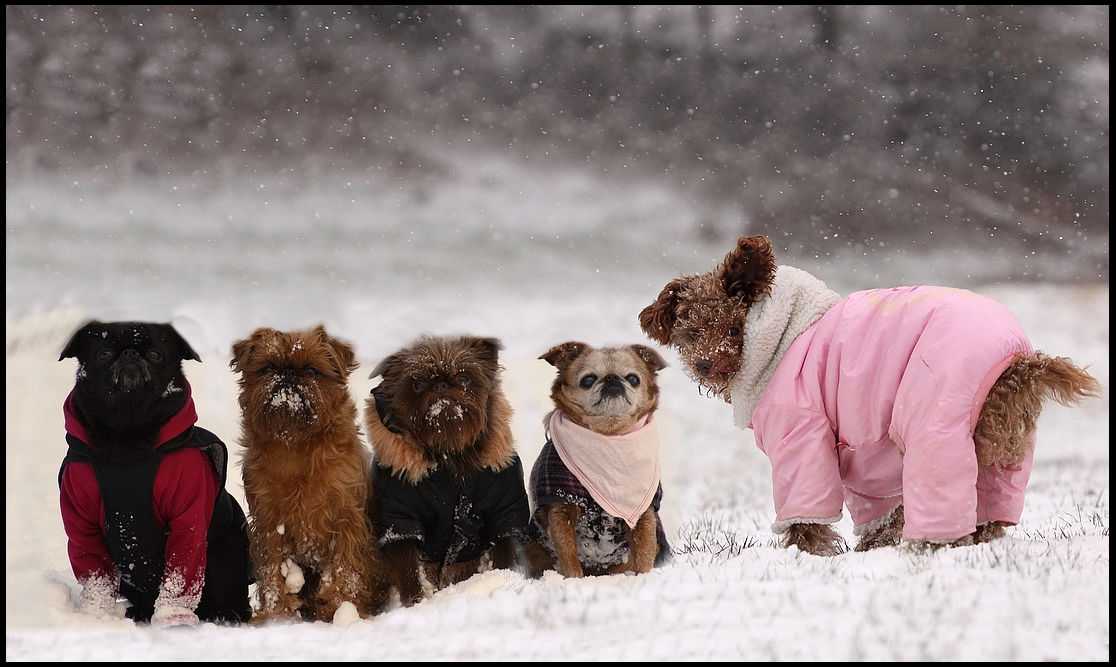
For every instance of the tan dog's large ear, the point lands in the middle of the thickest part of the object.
(657, 320)
(650, 357)
(561, 356)
(749, 270)
(344, 357)
(243, 350)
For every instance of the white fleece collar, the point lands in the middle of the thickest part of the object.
(620, 472)
(797, 300)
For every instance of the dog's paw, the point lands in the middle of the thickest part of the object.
(887, 532)
(986, 532)
(815, 538)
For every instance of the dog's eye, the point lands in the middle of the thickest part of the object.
(266, 369)
(588, 381)
(633, 380)
(155, 355)
(463, 379)
(733, 331)
(419, 385)
(312, 372)
(104, 355)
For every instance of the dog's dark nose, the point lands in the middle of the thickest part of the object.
(289, 374)
(129, 355)
(703, 367)
(612, 385)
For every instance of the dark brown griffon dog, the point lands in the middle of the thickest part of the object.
(449, 484)
(306, 477)
(733, 325)
(596, 481)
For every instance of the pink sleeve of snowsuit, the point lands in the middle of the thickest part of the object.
(882, 395)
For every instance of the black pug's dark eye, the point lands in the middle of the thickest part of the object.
(588, 381)
(733, 331)
(155, 355)
(104, 355)
(463, 380)
(633, 379)
(419, 385)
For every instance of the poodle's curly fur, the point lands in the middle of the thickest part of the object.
(702, 317)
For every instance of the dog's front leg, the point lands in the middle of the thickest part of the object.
(561, 520)
(504, 553)
(642, 543)
(401, 560)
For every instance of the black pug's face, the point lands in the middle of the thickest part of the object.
(129, 378)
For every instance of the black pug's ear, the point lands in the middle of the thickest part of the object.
(749, 270)
(654, 361)
(165, 333)
(80, 340)
(562, 355)
(657, 320)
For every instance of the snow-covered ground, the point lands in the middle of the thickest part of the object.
(534, 258)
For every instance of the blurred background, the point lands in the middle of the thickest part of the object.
(833, 129)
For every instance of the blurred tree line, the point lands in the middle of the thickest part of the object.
(865, 124)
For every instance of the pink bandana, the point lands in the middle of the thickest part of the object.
(621, 472)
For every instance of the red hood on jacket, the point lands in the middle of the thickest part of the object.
(175, 426)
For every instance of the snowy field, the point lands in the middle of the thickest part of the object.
(534, 258)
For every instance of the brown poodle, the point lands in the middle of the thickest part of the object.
(915, 407)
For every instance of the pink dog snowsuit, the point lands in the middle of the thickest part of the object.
(872, 401)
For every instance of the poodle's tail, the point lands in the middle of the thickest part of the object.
(1014, 403)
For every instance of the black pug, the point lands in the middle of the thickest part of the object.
(143, 494)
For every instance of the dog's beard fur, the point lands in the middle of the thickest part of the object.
(306, 475)
(444, 395)
(606, 390)
(703, 335)
(292, 385)
(124, 400)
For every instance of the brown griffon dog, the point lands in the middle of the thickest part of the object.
(596, 482)
(306, 477)
(914, 407)
(449, 484)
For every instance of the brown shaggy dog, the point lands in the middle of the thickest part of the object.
(306, 477)
(449, 488)
(733, 325)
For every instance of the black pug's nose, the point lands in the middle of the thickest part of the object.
(130, 355)
(703, 367)
(613, 385)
